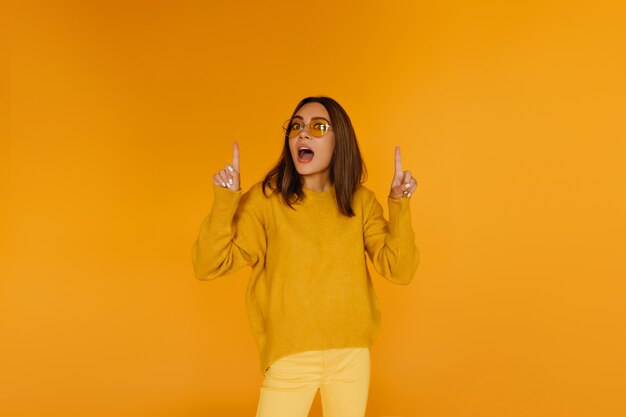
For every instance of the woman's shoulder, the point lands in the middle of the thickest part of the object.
(255, 189)
(254, 202)
(364, 194)
(364, 198)
(256, 195)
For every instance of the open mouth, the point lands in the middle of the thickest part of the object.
(305, 154)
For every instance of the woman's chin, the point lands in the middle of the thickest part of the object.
(306, 169)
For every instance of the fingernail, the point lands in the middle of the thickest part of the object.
(228, 185)
(230, 181)
(230, 168)
(408, 195)
(407, 185)
(223, 184)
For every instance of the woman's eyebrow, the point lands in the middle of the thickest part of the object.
(314, 117)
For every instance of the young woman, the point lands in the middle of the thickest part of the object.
(305, 230)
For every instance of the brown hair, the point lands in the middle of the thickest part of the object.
(347, 169)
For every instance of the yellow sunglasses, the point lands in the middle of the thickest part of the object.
(318, 126)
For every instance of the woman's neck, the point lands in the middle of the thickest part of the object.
(317, 182)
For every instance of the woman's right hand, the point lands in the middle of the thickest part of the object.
(229, 176)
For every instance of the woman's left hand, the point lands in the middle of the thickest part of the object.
(403, 184)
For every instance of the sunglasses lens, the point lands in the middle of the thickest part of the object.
(318, 127)
(292, 127)
(296, 127)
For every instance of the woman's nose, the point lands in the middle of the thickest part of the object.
(304, 133)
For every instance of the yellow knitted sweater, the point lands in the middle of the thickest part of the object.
(309, 288)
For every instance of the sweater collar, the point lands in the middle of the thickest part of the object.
(323, 195)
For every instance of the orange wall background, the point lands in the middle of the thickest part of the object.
(510, 115)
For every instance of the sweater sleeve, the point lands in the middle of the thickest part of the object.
(231, 236)
(391, 245)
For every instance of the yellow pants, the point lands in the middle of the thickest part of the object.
(341, 375)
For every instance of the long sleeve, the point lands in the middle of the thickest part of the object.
(231, 236)
(391, 245)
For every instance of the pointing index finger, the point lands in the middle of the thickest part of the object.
(398, 161)
(236, 156)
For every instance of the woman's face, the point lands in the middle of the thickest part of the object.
(312, 155)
